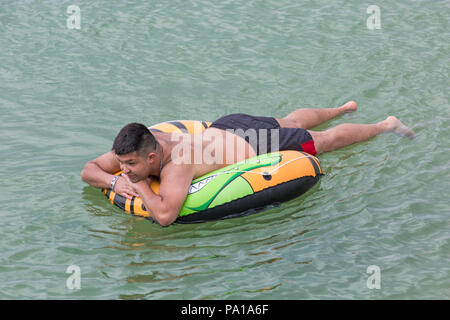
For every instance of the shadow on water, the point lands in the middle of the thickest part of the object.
(167, 259)
(95, 202)
(261, 218)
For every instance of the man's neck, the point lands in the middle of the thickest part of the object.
(166, 146)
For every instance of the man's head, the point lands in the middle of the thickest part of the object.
(137, 151)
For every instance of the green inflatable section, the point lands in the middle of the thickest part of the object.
(224, 185)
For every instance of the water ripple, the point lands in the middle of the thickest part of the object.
(65, 93)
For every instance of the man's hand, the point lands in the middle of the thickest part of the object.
(125, 188)
(165, 206)
(136, 187)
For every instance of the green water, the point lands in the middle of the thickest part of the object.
(65, 93)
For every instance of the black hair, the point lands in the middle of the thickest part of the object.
(134, 137)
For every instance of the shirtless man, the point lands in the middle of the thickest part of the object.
(142, 155)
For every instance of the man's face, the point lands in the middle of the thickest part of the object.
(134, 166)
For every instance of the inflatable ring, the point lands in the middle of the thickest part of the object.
(237, 190)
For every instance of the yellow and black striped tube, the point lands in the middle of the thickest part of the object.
(181, 126)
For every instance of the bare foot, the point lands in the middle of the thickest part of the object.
(350, 106)
(396, 126)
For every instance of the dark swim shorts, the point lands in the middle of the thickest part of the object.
(264, 133)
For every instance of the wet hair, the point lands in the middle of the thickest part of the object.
(134, 137)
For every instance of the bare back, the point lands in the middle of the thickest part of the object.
(202, 153)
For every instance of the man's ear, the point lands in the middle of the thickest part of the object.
(151, 157)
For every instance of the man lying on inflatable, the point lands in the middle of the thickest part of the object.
(177, 159)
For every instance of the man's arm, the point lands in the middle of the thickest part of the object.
(100, 172)
(165, 206)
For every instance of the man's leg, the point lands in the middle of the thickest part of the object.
(348, 133)
(310, 118)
